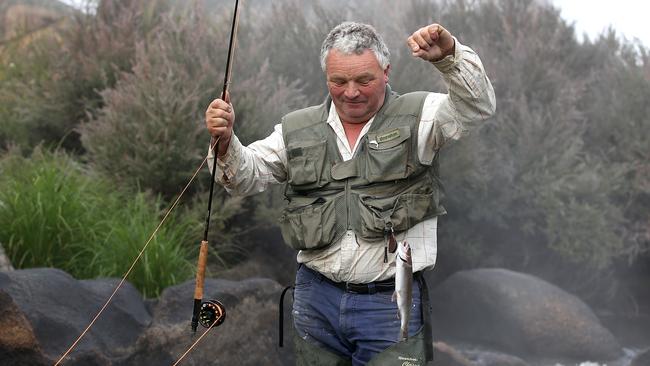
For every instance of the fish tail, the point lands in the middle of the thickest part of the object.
(404, 334)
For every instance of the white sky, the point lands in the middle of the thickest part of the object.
(630, 18)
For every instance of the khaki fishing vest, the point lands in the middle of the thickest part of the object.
(383, 187)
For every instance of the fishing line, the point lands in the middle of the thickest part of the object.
(195, 343)
(198, 312)
(215, 305)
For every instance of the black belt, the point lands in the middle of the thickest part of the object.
(366, 288)
(363, 288)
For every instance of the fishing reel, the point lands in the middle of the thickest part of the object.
(212, 314)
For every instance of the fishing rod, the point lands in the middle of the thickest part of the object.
(212, 313)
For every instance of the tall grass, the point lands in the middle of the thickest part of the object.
(54, 213)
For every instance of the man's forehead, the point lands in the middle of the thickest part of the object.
(338, 61)
(345, 75)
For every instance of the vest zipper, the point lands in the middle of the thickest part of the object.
(347, 204)
(390, 241)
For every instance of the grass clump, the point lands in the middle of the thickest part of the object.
(54, 213)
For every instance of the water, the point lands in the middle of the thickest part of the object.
(625, 360)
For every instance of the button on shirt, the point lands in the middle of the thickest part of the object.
(246, 170)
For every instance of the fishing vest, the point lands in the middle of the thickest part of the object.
(383, 188)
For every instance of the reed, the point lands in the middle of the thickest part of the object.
(54, 213)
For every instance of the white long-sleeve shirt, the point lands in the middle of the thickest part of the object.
(246, 170)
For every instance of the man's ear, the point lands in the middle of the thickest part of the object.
(386, 73)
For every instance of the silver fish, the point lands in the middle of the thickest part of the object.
(403, 287)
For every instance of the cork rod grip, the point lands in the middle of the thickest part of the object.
(200, 270)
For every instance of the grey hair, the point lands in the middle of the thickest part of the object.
(353, 37)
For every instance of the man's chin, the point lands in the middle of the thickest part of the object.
(356, 112)
(355, 119)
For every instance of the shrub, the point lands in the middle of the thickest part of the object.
(150, 132)
(58, 72)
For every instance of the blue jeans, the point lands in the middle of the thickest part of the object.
(355, 326)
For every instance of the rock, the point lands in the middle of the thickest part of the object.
(59, 308)
(87, 358)
(18, 344)
(46, 310)
(521, 314)
(175, 303)
(5, 263)
(247, 337)
(642, 359)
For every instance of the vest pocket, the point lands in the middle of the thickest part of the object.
(309, 223)
(387, 154)
(306, 164)
(402, 211)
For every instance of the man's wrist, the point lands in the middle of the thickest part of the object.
(446, 63)
(450, 52)
(222, 147)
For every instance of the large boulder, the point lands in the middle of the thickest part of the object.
(247, 337)
(59, 308)
(519, 313)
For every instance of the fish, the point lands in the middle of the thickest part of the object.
(403, 287)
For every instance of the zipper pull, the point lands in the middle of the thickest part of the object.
(392, 243)
(390, 237)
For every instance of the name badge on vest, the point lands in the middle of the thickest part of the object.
(396, 136)
(388, 136)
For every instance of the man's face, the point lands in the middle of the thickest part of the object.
(356, 84)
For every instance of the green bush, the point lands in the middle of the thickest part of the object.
(54, 213)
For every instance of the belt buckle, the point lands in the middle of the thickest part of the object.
(349, 288)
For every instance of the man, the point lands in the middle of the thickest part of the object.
(361, 173)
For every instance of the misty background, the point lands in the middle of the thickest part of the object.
(557, 184)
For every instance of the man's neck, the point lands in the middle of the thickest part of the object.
(352, 131)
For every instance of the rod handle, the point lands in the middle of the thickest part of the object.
(200, 270)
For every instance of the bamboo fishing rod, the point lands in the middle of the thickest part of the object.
(212, 313)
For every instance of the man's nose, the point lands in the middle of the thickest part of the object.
(351, 91)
